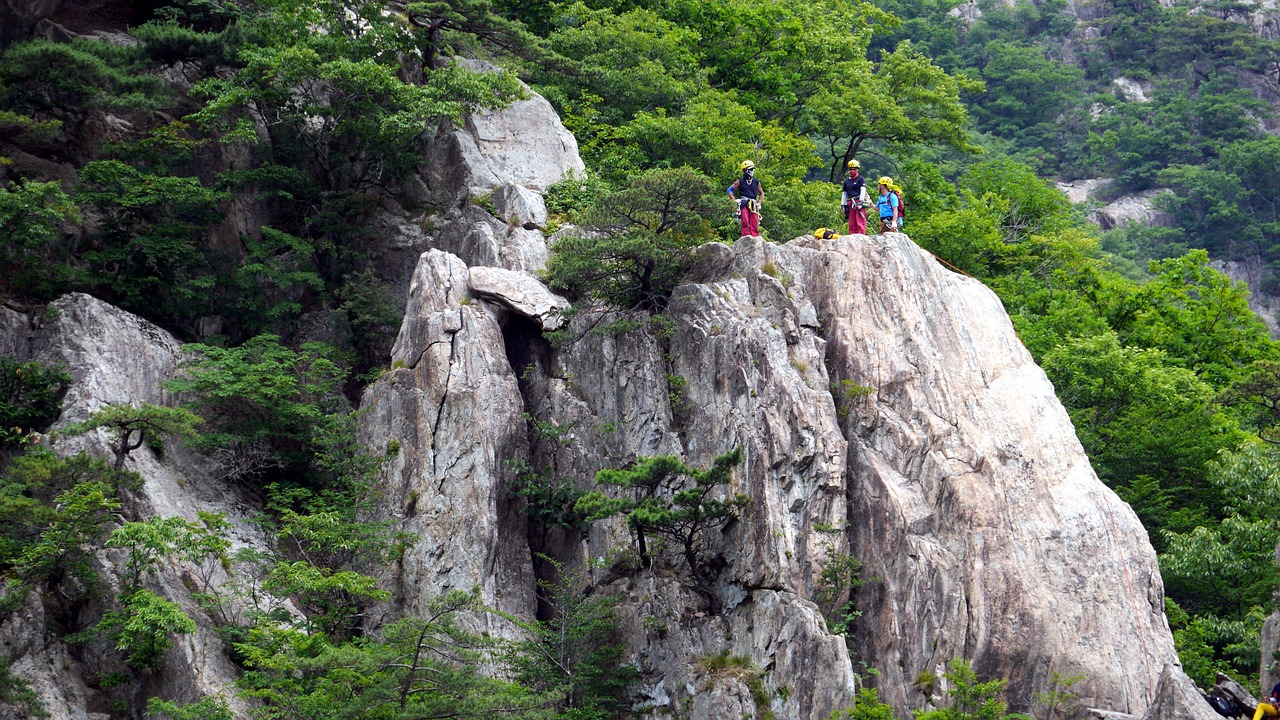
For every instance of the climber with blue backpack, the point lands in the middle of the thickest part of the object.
(890, 205)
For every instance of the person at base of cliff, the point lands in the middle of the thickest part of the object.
(890, 205)
(1269, 707)
(750, 195)
(854, 199)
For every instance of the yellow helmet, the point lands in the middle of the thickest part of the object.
(747, 165)
(886, 181)
(854, 164)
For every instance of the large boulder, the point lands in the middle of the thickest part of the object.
(523, 144)
(452, 406)
(1137, 209)
(1177, 698)
(478, 238)
(522, 293)
(969, 494)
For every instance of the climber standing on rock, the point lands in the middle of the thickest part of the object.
(747, 201)
(854, 199)
(890, 205)
(1269, 707)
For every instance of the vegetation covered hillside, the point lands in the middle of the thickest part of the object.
(218, 174)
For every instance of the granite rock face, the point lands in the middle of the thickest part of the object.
(1178, 699)
(519, 206)
(452, 405)
(524, 144)
(116, 357)
(1139, 208)
(969, 493)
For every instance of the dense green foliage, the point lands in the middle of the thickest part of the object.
(315, 114)
(29, 398)
(675, 502)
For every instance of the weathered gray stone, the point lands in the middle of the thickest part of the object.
(1078, 191)
(1269, 669)
(803, 672)
(1252, 271)
(15, 334)
(452, 404)
(480, 239)
(520, 292)
(18, 17)
(1131, 90)
(1139, 209)
(401, 241)
(519, 206)
(523, 144)
(116, 357)
(1177, 698)
(970, 494)
(1229, 688)
(45, 666)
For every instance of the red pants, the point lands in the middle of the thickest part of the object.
(857, 221)
(750, 222)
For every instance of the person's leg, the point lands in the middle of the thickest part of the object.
(1264, 710)
(754, 226)
(744, 218)
(858, 222)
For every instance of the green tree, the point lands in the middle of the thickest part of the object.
(902, 100)
(1138, 416)
(967, 698)
(56, 512)
(362, 125)
(676, 502)
(1197, 315)
(149, 254)
(1225, 573)
(262, 401)
(30, 397)
(575, 653)
(637, 243)
(866, 706)
(414, 668)
(132, 425)
(637, 59)
(207, 708)
(33, 249)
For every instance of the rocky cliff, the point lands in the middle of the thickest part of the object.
(885, 408)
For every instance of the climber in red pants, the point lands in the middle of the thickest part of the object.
(750, 194)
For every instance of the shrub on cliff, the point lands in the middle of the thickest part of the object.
(636, 242)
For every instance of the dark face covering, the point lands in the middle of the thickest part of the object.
(748, 172)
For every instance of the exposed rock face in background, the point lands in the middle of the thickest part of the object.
(1078, 191)
(524, 144)
(1139, 208)
(1251, 272)
(1130, 89)
(1269, 672)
